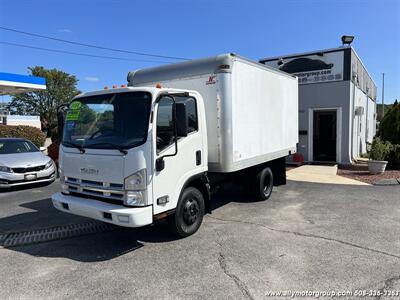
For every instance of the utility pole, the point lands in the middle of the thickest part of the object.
(383, 95)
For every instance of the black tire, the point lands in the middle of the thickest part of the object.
(263, 185)
(189, 213)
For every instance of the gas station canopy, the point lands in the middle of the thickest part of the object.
(15, 83)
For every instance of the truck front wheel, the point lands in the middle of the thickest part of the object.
(189, 213)
(263, 184)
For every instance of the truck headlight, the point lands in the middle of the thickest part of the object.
(135, 189)
(61, 174)
(136, 181)
(135, 198)
(5, 169)
(64, 189)
(64, 186)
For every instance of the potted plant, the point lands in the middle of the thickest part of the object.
(377, 155)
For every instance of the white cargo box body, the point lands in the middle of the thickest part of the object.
(251, 109)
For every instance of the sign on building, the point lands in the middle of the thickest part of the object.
(314, 68)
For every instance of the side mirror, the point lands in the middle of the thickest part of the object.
(160, 164)
(43, 149)
(181, 119)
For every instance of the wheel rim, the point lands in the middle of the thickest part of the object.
(191, 211)
(267, 185)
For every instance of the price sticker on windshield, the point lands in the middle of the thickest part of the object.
(72, 115)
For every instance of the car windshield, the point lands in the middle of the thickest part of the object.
(12, 147)
(108, 121)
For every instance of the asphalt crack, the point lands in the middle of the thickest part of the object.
(239, 283)
(309, 236)
(388, 285)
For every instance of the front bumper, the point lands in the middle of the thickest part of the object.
(16, 179)
(110, 213)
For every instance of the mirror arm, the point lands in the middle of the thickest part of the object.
(161, 159)
(60, 123)
(175, 130)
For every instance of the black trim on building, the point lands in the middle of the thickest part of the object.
(347, 64)
(320, 53)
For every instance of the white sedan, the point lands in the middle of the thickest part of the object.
(21, 162)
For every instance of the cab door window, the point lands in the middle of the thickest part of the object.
(165, 124)
(191, 115)
(191, 111)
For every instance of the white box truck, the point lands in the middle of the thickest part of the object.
(155, 149)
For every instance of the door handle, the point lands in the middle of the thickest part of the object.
(198, 158)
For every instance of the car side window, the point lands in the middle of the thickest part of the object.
(165, 126)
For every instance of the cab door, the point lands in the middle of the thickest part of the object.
(181, 160)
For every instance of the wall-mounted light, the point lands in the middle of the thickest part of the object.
(347, 39)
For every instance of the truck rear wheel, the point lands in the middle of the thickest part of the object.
(264, 183)
(189, 213)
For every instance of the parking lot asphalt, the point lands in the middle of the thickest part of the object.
(306, 237)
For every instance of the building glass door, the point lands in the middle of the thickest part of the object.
(325, 135)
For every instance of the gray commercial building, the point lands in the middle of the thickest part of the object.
(337, 103)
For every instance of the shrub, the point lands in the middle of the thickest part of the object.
(35, 135)
(380, 150)
(389, 128)
(394, 157)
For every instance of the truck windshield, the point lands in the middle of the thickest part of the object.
(108, 121)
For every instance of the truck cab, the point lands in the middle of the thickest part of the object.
(129, 155)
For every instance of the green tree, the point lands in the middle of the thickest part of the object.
(106, 120)
(389, 128)
(60, 89)
(87, 121)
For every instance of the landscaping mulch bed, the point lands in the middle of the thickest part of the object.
(361, 173)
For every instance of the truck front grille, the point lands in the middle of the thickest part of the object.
(96, 189)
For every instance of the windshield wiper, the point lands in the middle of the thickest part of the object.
(79, 147)
(115, 146)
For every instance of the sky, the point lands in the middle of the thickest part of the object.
(194, 29)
